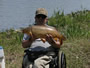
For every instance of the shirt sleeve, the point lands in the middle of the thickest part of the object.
(26, 37)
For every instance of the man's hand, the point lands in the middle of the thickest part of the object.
(51, 40)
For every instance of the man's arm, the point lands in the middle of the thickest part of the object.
(27, 41)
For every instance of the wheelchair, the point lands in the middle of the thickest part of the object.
(59, 60)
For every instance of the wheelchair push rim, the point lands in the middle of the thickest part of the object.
(62, 60)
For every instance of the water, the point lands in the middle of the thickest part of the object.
(20, 13)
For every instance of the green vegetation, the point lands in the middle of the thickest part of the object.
(76, 28)
(74, 25)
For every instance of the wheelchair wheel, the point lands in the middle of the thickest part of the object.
(61, 60)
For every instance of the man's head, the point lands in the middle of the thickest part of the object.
(41, 16)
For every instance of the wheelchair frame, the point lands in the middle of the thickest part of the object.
(62, 60)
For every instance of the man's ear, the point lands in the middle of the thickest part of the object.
(46, 20)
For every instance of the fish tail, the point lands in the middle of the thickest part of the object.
(61, 41)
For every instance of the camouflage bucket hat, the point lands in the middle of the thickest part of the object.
(41, 11)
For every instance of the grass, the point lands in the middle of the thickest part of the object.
(76, 28)
(11, 42)
(77, 53)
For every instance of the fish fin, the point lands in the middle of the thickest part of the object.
(56, 39)
(60, 40)
(30, 33)
(43, 40)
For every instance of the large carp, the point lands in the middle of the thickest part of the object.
(41, 31)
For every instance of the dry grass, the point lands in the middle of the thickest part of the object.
(77, 53)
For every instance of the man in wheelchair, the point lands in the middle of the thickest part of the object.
(39, 54)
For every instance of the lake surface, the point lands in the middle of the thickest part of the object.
(20, 13)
